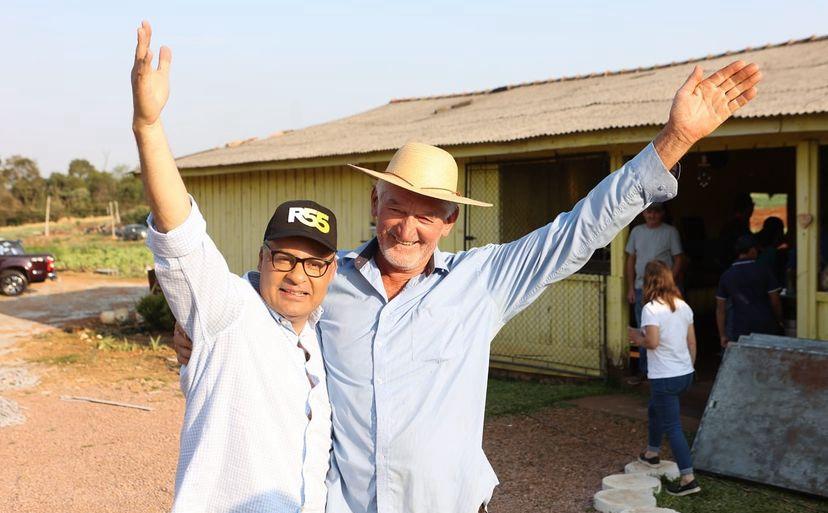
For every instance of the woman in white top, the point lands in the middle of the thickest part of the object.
(667, 334)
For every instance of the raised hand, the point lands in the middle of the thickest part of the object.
(700, 106)
(150, 87)
(163, 186)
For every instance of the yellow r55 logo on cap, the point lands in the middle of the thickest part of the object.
(310, 217)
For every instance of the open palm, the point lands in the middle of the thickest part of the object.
(150, 87)
(700, 106)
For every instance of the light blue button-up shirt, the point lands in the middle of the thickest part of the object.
(407, 377)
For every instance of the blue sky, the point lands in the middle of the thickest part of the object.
(243, 69)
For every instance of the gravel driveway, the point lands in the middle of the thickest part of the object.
(72, 296)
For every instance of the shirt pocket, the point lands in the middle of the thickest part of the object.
(436, 335)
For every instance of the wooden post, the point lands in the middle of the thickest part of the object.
(48, 211)
(117, 214)
(807, 240)
(111, 209)
(618, 317)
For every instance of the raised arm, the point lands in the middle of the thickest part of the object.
(201, 291)
(516, 273)
(163, 186)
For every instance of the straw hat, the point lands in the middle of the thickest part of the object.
(426, 170)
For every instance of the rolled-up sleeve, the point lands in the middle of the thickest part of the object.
(517, 272)
(194, 276)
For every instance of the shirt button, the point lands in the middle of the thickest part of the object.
(379, 381)
(661, 187)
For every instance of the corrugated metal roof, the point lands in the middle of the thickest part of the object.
(795, 82)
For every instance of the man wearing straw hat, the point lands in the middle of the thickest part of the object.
(407, 328)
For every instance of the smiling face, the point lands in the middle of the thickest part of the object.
(293, 294)
(409, 225)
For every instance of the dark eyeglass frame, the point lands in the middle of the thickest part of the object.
(296, 260)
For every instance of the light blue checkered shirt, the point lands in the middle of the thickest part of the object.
(407, 377)
(257, 425)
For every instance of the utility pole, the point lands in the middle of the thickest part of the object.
(117, 214)
(48, 210)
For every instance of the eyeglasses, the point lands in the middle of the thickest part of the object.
(285, 262)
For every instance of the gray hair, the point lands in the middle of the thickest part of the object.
(447, 208)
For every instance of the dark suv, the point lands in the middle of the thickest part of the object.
(18, 270)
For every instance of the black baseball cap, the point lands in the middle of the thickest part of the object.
(303, 218)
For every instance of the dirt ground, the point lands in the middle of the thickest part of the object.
(52, 304)
(71, 456)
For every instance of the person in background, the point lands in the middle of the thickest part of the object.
(771, 240)
(653, 240)
(737, 226)
(669, 338)
(754, 293)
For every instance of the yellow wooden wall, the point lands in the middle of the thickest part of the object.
(561, 333)
(238, 206)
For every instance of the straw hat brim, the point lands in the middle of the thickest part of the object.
(441, 194)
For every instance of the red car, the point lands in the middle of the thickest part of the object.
(18, 270)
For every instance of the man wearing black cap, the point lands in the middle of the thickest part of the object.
(257, 425)
(754, 293)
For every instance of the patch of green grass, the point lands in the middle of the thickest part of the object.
(90, 252)
(59, 360)
(720, 495)
(507, 397)
(114, 344)
(764, 200)
(64, 226)
(76, 250)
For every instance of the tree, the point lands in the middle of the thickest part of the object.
(81, 191)
(17, 168)
(81, 168)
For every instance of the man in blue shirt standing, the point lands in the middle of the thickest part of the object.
(407, 328)
(754, 293)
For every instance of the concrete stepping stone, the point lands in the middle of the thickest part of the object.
(616, 501)
(649, 509)
(632, 482)
(666, 468)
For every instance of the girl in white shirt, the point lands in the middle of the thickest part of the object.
(667, 334)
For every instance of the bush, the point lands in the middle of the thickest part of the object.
(156, 312)
(137, 215)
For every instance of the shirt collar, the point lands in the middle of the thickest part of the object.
(253, 277)
(366, 252)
